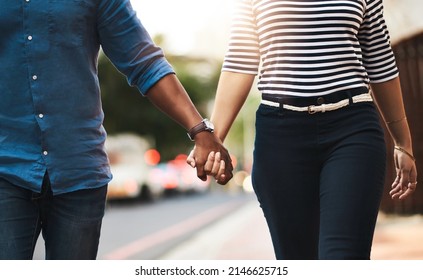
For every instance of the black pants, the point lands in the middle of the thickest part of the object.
(319, 180)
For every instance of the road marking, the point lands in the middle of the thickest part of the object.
(170, 233)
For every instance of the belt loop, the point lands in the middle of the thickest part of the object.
(350, 98)
(281, 109)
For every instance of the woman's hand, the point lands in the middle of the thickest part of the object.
(406, 181)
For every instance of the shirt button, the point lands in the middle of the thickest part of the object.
(320, 100)
(29, 38)
(45, 153)
(40, 116)
(34, 77)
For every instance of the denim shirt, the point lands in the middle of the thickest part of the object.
(50, 110)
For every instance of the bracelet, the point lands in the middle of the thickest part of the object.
(395, 121)
(405, 152)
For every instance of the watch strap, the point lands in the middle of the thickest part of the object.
(202, 126)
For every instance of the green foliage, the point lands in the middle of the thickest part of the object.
(127, 111)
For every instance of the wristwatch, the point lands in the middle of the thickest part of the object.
(204, 125)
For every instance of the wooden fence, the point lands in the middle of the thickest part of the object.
(409, 55)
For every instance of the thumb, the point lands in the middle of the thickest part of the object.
(190, 159)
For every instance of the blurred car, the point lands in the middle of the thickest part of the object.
(177, 176)
(129, 169)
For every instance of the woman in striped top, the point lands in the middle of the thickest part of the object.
(319, 156)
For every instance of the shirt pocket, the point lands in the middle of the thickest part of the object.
(67, 22)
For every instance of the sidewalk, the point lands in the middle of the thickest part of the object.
(243, 235)
(398, 238)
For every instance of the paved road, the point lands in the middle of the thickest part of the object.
(133, 230)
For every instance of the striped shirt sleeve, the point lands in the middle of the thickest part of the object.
(243, 54)
(378, 57)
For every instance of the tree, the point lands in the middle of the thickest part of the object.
(126, 111)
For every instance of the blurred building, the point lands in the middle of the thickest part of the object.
(405, 22)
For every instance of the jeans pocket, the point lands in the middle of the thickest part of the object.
(265, 110)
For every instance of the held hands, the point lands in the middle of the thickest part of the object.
(214, 166)
(211, 158)
(406, 181)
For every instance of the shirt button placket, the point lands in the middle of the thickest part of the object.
(34, 78)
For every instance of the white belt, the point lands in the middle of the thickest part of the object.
(365, 97)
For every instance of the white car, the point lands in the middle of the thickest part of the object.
(129, 169)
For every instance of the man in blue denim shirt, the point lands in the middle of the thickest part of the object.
(53, 168)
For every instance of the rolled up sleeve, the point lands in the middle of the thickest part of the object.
(128, 45)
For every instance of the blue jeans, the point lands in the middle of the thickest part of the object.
(70, 223)
(319, 180)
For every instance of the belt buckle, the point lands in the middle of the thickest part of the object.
(311, 110)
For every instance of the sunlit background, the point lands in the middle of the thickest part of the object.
(199, 27)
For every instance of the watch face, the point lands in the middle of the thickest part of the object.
(209, 125)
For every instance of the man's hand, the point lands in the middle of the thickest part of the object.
(211, 158)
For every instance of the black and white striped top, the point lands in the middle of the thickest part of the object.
(310, 47)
